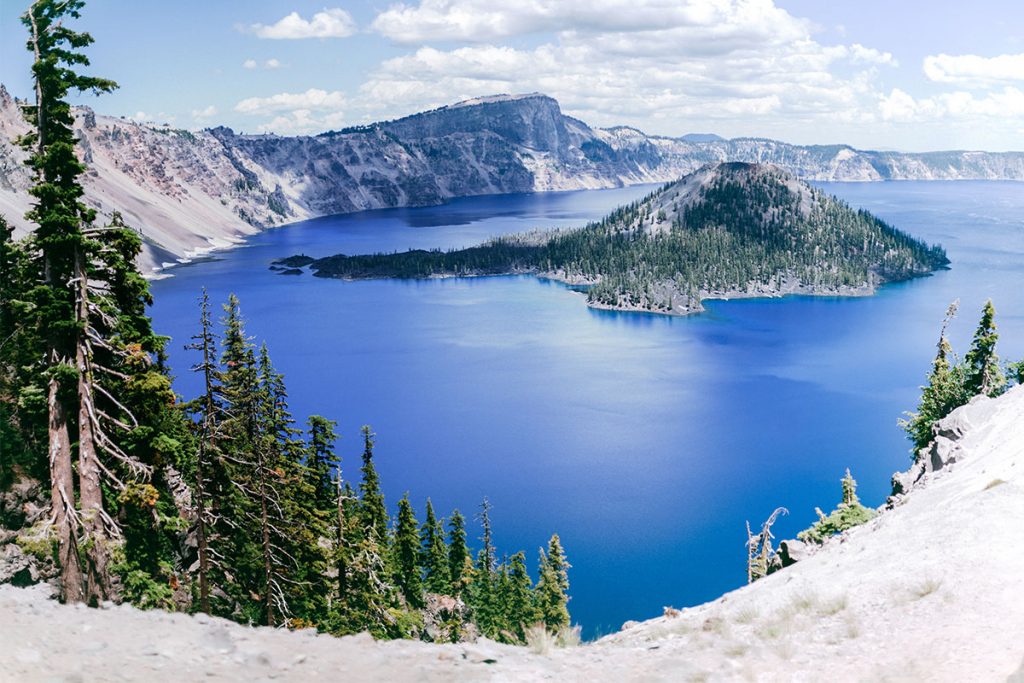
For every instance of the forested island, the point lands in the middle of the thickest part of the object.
(729, 230)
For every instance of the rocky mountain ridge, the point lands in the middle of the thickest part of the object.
(190, 192)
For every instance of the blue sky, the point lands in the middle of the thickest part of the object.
(903, 74)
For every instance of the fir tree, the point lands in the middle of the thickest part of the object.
(483, 594)
(519, 602)
(372, 508)
(434, 554)
(322, 460)
(405, 549)
(209, 410)
(984, 376)
(945, 391)
(552, 587)
(459, 563)
(63, 249)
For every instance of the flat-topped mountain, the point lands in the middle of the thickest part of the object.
(728, 230)
(192, 191)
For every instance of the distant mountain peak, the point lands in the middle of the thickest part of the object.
(496, 99)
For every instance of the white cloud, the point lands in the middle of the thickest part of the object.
(485, 20)
(1004, 105)
(301, 122)
(205, 113)
(328, 23)
(311, 100)
(269, 64)
(972, 70)
(659, 64)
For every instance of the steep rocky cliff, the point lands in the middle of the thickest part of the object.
(192, 191)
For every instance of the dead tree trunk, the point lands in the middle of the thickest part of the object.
(97, 539)
(268, 570)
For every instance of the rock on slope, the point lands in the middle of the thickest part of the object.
(929, 591)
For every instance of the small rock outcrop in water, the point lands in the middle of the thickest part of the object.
(928, 591)
(191, 192)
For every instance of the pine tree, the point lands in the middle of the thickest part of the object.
(23, 407)
(209, 409)
(984, 376)
(322, 460)
(519, 602)
(372, 508)
(434, 554)
(459, 563)
(63, 248)
(405, 550)
(944, 392)
(552, 588)
(483, 596)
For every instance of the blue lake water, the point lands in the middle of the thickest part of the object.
(644, 441)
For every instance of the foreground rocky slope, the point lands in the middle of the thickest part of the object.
(190, 192)
(928, 591)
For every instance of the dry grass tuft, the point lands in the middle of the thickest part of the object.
(745, 615)
(925, 588)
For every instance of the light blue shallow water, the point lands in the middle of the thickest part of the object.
(644, 441)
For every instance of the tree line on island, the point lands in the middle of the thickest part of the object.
(746, 226)
(220, 504)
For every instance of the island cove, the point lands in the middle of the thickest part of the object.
(729, 230)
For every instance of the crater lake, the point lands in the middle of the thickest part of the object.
(645, 441)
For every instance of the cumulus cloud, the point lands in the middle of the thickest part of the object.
(484, 20)
(268, 64)
(901, 107)
(205, 113)
(328, 23)
(313, 99)
(297, 113)
(972, 70)
(627, 61)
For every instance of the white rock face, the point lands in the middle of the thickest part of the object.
(928, 591)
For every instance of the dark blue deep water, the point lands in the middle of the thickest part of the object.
(644, 441)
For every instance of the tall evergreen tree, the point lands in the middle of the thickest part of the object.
(945, 390)
(63, 248)
(483, 595)
(322, 460)
(372, 508)
(552, 588)
(984, 376)
(405, 551)
(519, 603)
(459, 562)
(434, 554)
(209, 409)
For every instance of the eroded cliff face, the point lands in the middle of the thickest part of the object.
(191, 192)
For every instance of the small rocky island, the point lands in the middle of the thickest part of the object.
(728, 230)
